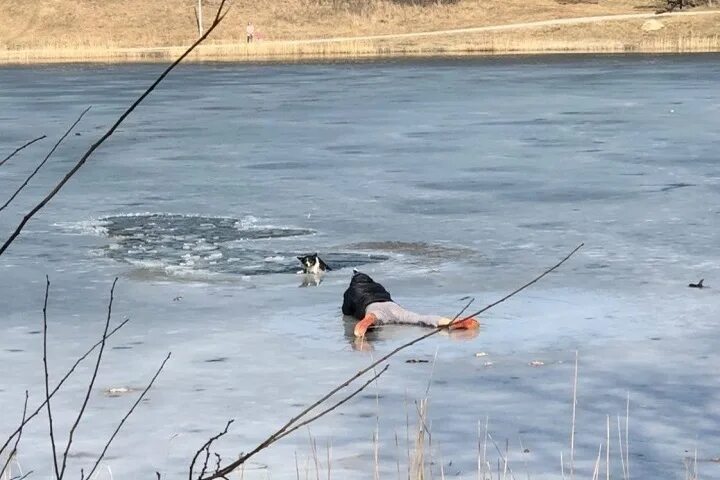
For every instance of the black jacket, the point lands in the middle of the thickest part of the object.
(362, 291)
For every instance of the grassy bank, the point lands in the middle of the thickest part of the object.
(136, 30)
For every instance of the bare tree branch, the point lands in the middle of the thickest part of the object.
(127, 415)
(220, 15)
(530, 283)
(13, 452)
(19, 149)
(222, 473)
(47, 381)
(23, 477)
(92, 381)
(41, 164)
(279, 433)
(60, 384)
(206, 448)
(335, 406)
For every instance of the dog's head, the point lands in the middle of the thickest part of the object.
(313, 261)
(307, 261)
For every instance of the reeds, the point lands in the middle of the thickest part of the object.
(488, 44)
(420, 458)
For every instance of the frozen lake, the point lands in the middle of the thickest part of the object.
(441, 179)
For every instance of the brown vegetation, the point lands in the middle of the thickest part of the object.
(131, 30)
(139, 23)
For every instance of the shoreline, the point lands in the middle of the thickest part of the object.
(641, 33)
(148, 56)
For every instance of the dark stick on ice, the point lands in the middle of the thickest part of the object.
(219, 17)
(19, 149)
(91, 384)
(293, 421)
(41, 164)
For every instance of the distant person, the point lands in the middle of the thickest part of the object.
(250, 31)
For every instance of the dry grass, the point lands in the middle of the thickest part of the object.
(138, 30)
(142, 23)
(680, 34)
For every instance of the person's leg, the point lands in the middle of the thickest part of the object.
(382, 313)
(362, 326)
(460, 323)
(433, 321)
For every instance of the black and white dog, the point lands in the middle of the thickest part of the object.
(313, 270)
(313, 264)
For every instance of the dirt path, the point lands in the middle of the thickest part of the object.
(509, 26)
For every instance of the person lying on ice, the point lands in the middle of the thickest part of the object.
(369, 302)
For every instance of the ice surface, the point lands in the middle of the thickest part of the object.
(442, 180)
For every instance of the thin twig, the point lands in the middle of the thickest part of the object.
(607, 451)
(313, 449)
(596, 470)
(280, 432)
(23, 477)
(220, 15)
(397, 453)
(60, 384)
(627, 439)
(218, 461)
(278, 436)
(19, 149)
(505, 460)
(92, 380)
(13, 452)
(41, 164)
(335, 406)
(533, 281)
(479, 464)
(407, 434)
(467, 305)
(502, 457)
(47, 381)
(127, 415)
(622, 452)
(329, 458)
(572, 429)
(484, 450)
(422, 415)
(206, 447)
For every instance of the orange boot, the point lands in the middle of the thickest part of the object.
(460, 323)
(362, 326)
